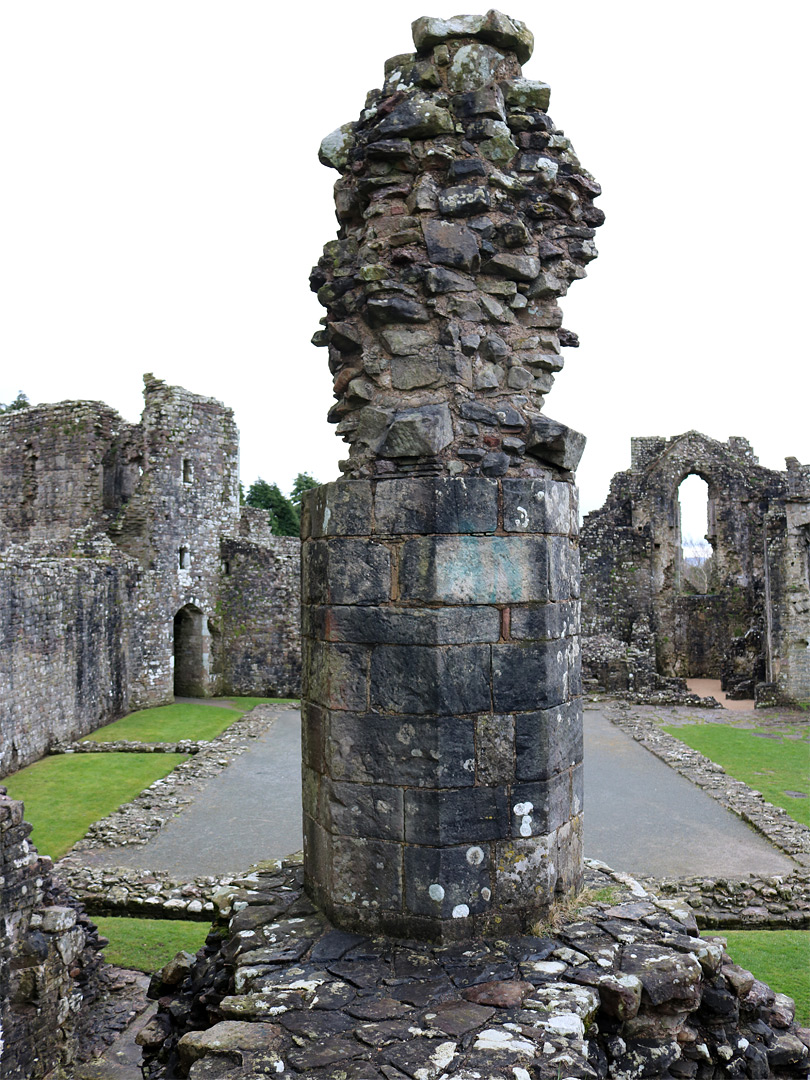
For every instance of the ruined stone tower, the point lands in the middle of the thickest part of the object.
(442, 719)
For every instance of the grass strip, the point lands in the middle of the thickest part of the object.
(771, 765)
(65, 794)
(169, 723)
(781, 958)
(148, 944)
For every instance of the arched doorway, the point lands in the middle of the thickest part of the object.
(190, 675)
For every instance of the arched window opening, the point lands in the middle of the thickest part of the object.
(696, 551)
(184, 558)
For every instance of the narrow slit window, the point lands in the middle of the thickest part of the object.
(188, 471)
(185, 558)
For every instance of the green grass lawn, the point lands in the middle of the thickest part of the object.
(169, 723)
(772, 765)
(781, 958)
(148, 944)
(183, 720)
(66, 793)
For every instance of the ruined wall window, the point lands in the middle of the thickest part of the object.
(188, 471)
(226, 566)
(185, 558)
(696, 551)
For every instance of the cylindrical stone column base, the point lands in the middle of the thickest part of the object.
(442, 722)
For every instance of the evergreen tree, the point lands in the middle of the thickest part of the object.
(283, 515)
(20, 402)
(303, 482)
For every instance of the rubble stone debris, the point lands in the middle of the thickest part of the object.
(645, 628)
(464, 215)
(441, 695)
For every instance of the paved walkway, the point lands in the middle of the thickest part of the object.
(640, 815)
(248, 812)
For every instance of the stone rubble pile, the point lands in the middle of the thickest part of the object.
(627, 990)
(464, 216)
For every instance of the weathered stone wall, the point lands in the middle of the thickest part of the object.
(114, 540)
(258, 612)
(48, 957)
(62, 466)
(753, 626)
(64, 642)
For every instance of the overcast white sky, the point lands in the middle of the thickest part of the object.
(161, 204)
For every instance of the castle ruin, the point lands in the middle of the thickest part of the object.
(643, 623)
(128, 570)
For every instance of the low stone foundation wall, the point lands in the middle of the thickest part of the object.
(138, 821)
(753, 903)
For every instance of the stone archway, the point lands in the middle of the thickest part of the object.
(190, 653)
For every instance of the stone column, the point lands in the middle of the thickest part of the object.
(442, 728)
(441, 709)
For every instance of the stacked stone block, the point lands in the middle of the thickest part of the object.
(465, 214)
(441, 709)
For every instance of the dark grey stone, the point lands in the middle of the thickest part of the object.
(407, 626)
(334, 509)
(371, 869)
(409, 750)
(463, 200)
(537, 506)
(548, 741)
(466, 815)
(419, 432)
(495, 463)
(370, 810)
(474, 569)
(540, 807)
(461, 873)
(314, 725)
(545, 622)
(497, 414)
(495, 749)
(451, 245)
(555, 443)
(396, 309)
(359, 571)
(528, 674)
(335, 675)
(438, 280)
(418, 679)
(443, 506)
